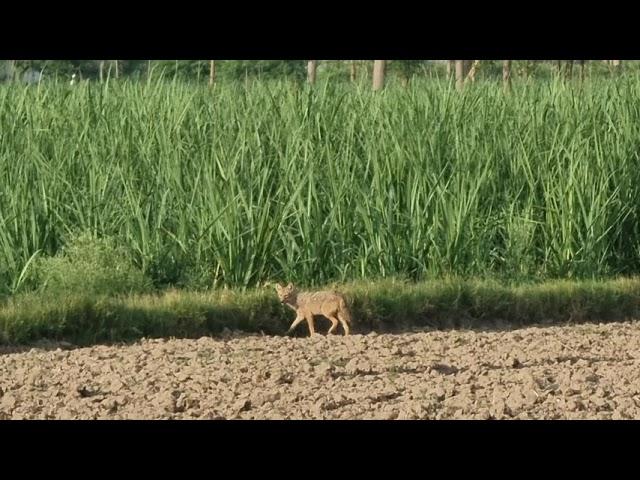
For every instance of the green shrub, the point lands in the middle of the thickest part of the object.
(92, 266)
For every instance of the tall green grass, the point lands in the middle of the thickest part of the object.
(238, 184)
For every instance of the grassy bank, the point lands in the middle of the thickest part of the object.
(381, 306)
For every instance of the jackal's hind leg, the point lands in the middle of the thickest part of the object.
(334, 324)
(344, 323)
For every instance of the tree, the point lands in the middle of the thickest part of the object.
(378, 74)
(506, 75)
(450, 68)
(459, 74)
(14, 70)
(406, 69)
(352, 71)
(568, 69)
(312, 66)
(616, 66)
(263, 69)
(471, 69)
(212, 72)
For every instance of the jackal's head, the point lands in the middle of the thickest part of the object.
(286, 293)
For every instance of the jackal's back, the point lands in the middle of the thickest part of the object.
(319, 302)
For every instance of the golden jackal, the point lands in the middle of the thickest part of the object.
(329, 304)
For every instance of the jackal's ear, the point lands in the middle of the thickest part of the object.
(290, 286)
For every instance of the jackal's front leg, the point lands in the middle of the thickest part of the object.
(312, 330)
(295, 323)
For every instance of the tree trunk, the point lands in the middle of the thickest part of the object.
(101, 70)
(117, 68)
(148, 69)
(506, 75)
(459, 74)
(352, 71)
(12, 66)
(473, 67)
(569, 69)
(558, 67)
(312, 66)
(616, 66)
(527, 69)
(450, 68)
(467, 67)
(212, 72)
(378, 74)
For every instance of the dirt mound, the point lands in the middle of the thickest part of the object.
(588, 371)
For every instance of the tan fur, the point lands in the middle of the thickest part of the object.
(329, 304)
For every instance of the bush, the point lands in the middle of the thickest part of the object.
(92, 266)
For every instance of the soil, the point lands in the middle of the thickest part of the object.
(582, 372)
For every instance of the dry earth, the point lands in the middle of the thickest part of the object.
(587, 371)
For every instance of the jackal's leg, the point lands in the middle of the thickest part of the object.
(295, 323)
(334, 324)
(312, 330)
(345, 325)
